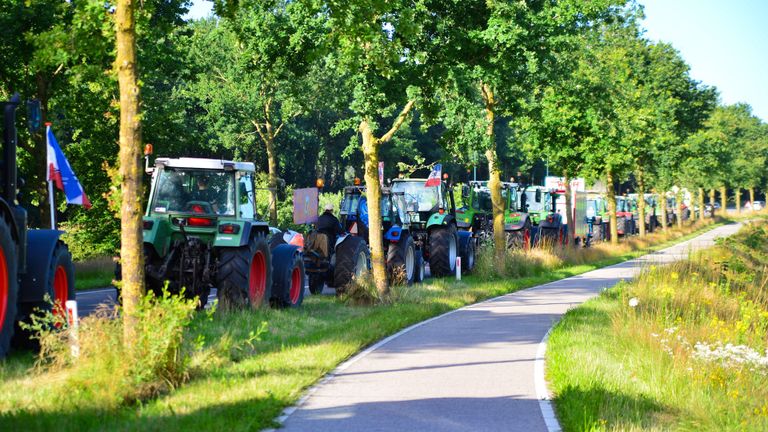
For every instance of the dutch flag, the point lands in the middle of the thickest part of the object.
(434, 176)
(60, 172)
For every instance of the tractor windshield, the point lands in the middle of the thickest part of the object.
(194, 191)
(623, 205)
(482, 200)
(417, 197)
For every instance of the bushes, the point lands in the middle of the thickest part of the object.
(102, 372)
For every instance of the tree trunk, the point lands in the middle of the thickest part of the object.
(712, 201)
(569, 209)
(131, 254)
(663, 209)
(641, 201)
(494, 177)
(373, 192)
(679, 209)
(701, 204)
(752, 198)
(737, 195)
(612, 207)
(371, 146)
(723, 199)
(272, 177)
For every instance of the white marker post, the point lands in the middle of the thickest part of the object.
(458, 268)
(73, 322)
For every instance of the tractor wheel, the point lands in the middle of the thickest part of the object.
(443, 249)
(244, 275)
(520, 239)
(288, 275)
(8, 287)
(61, 287)
(468, 257)
(549, 236)
(351, 262)
(316, 283)
(401, 261)
(419, 273)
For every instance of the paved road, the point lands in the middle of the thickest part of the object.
(469, 370)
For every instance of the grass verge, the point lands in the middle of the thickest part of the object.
(689, 355)
(94, 273)
(240, 378)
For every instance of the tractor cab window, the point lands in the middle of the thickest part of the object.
(419, 198)
(349, 203)
(194, 191)
(247, 199)
(510, 196)
(482, 200)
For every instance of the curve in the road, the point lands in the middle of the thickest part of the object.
(472, 369)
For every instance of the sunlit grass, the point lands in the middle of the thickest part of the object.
(654, 366)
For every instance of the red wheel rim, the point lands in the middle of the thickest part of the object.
(526, 239)
(4, 284)
(257, 282)
(295, 285)
(60, 291)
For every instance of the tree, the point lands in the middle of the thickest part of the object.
(131, 253)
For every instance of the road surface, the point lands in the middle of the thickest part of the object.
(469, 370)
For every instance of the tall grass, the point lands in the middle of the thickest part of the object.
(681, 347)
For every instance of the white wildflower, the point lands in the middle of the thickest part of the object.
(633, 302)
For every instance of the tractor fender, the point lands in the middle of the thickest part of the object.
(438, 219)
(40, 246)
(251, 229)
(516, 226)
(394, 234)
(16, 216)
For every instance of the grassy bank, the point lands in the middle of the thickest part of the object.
(689, 355)
(240, 378)
(94, 273)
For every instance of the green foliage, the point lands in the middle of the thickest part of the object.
(101, 370)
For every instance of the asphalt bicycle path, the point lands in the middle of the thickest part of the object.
(473, 369)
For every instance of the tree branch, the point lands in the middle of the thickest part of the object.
(277, 131)
(258, 129)
(399, 121)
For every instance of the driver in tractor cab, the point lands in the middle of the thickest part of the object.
(206, 194)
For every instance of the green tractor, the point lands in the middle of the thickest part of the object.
(476, 216)
(541, 204)
(430, 212)
(405, 262)
(201, 231)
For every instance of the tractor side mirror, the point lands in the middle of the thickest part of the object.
(538, 195)
(465, 191)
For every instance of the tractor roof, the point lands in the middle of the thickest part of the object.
(210, 164)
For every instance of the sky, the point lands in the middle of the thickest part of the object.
(724, 41)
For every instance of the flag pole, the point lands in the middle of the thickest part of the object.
(50, 180)
(53, 206)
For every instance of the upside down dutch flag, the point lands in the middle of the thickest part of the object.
(60, 172)
(434, 176)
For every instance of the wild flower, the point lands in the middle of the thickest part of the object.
(730, 355)
(633, 302)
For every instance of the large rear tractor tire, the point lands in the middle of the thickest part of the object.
(288, 275)
(351, 262)
(520, 239)
(9, 287)
(401, 261)
(443, 249)
(244, 276)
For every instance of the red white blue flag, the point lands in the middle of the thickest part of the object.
(61, 174)
(434, 176)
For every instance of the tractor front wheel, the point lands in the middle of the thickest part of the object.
(520, 239)
(443, 248)
(401, 261)
(316, 283)
(288, 274)
(351, 262)
(244, 275)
